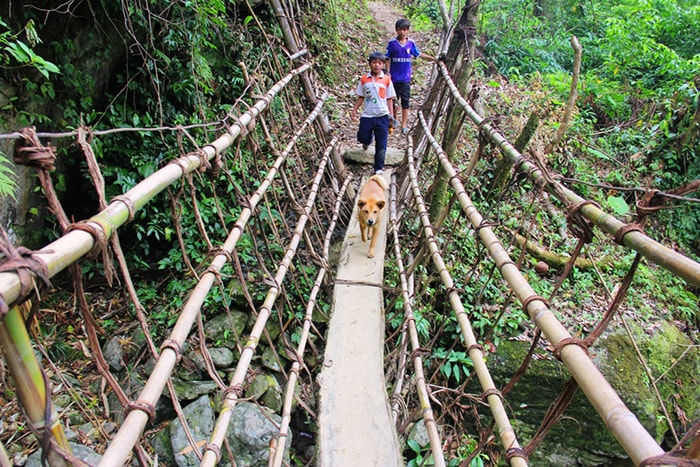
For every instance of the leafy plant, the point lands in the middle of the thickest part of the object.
(14, 51)
(8, 182)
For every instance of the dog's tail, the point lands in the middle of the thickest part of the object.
(380, 180)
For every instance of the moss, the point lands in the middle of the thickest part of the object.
(662, 350)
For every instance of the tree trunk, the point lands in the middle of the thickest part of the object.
(505, 164)
(460, 71)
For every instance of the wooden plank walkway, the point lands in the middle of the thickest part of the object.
(355, 425)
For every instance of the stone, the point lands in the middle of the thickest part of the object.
(200, 419)
(394, 156)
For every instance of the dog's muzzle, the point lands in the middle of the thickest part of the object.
(370, 222)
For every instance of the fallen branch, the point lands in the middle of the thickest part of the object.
(556, 260)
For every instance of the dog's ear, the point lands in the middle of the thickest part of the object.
(380, 204)
(361, 203)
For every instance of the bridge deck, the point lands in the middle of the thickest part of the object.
(355, 425)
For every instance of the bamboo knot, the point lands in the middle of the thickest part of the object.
(98, 235)
(569, 341)
(215, 165)
(491, 392)
(144, 406)
(580, 227)
(215, 449)
(129, 203)
(223, 252)
(515, 452)
(420, 351)
(23, 262)
(625, 229)
(478, 347)
(174, 346)
(532, 298)
(236, 390)
(30, 152)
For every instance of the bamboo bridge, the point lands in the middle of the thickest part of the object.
(357, 416)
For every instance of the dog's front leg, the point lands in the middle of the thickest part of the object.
(374, 231)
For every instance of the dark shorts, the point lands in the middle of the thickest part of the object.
(403, 92)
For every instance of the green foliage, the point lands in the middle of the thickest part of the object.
(424, 15)
(14, 52)
(8, 182)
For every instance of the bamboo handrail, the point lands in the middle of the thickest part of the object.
(218, 435)
(136, 420)
(624, 425)
(277, 454)
(30, 383)
(64, 251)
(421, 385)
(654, 251)
(505, 431)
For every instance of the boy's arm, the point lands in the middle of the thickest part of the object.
(427, 57)
(358, 103)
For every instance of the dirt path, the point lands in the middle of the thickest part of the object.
(386, 15)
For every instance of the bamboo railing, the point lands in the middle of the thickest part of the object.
(410, 322)
(623, 424)
(277, 451)
(654, 251)
(136, 420)
(233, 392)
(491, 395)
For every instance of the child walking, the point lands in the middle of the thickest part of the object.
(400, 53)
(376, 91)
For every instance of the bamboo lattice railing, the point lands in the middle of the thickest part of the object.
(136, 420)
(410, 323)
(654, 251)
(277, 450)
(476, 353)
(633, 437)
(234, 390)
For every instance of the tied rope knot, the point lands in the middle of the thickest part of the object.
(22, 262)
(30, 152)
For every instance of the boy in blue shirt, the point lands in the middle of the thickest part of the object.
(400, 53)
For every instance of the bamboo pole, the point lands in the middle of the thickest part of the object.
(232, 395)
(31, 384)
(410, 320)
(118, 451)
(654, 251)
(75, 244)
(506, 433)
(277, 454)
(4, 458)
(639, 444)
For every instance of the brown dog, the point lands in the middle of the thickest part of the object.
(370, 205)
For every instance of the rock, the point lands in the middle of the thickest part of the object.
(83, 453)
(200, 419)
(112, 352)
(223, 329)
(419, 433)
(221, 357)
(269, 360)
(250, 433)
(541, 268)
(190, 390)
(394, 156)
